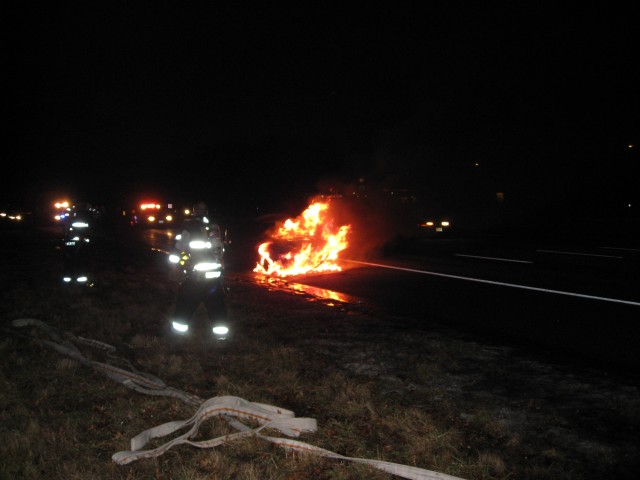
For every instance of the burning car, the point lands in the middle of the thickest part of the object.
(310, 243)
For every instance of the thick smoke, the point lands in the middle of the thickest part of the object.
(377, 215)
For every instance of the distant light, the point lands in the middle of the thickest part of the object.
(174, 258)
(169, 218)
(81, 279)
(445, 224)
(212, 274)
(476, 164)
(145, 206)
(187, 212)
(629, 205)
(631, 145)
(220, 330)
(80, 224)
(180, 327)
(152, 218)
(66, 279)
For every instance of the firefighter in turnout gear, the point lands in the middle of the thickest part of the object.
(199, 255)
(77, 236)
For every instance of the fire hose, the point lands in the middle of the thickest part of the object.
(230, 408)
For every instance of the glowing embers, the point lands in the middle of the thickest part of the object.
(309, 244)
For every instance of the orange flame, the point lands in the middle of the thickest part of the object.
(309, 244)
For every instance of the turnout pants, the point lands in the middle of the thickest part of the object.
(194, 291)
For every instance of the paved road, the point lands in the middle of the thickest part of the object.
(572, 301)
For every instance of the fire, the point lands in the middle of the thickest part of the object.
(309, 244)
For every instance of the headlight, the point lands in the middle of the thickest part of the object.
(220, 332)
(180, 327)
(174, 258)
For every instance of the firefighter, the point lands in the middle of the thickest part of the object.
(77, 235)
(198, 257)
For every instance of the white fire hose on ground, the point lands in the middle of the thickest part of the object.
(229, 407)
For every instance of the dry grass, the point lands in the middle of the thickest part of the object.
(439, 402)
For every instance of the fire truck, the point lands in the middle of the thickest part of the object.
(153, 214)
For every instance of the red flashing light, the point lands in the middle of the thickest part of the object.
(145, 206)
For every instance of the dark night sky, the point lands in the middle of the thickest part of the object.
(253, 103)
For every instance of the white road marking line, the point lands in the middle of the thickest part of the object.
(493, 258)
(576, 253)
(491, 282)
(620, 248)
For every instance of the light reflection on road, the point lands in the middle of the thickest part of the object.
(322, 293)
(157, 239)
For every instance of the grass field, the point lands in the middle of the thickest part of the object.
(429, 398)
